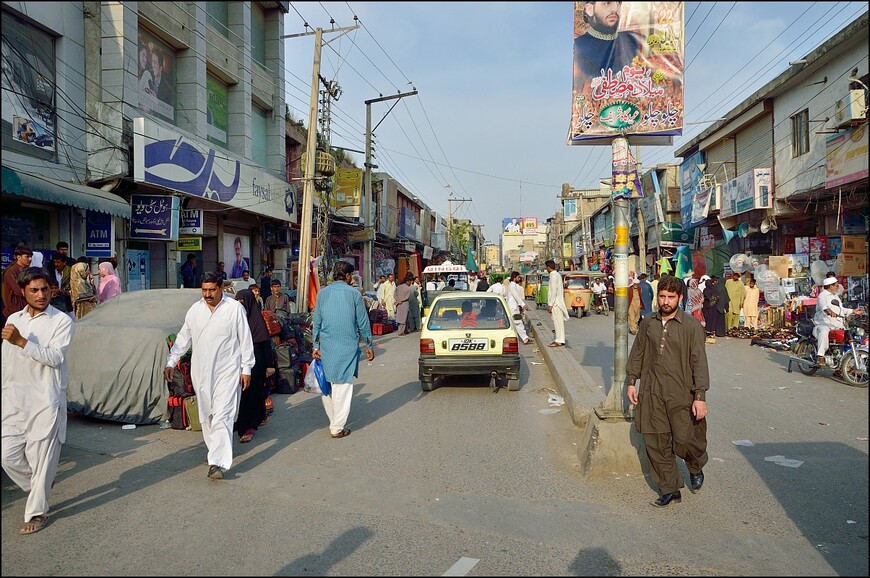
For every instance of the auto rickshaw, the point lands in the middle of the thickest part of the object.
(531, 285)
(541, 292)
(577, 286)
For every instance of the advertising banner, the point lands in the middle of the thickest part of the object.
(154, 217)
(846, 157)
(530, 225)
(628, 71)
(691, 171)
(138, 270)
(512, 226)
(167, 158)
(156, 77)
(751, 190)
(28, 84)
(626, 182)
(345, 196)
(216, 110)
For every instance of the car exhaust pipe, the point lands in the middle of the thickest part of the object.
(493, 381)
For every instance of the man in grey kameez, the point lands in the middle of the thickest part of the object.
(340, 321)
(403, 305)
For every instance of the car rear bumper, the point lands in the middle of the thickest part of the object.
(506, 365)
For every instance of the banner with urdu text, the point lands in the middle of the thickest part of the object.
(628, 71)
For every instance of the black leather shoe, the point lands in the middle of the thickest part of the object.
(667, 499)
(696, 481)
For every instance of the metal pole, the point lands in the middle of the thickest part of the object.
(368, 270)
(583, 234)
(308, 188)
(614, 405)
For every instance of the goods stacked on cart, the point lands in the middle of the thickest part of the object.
(292, 350)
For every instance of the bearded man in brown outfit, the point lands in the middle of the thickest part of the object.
(668, 379)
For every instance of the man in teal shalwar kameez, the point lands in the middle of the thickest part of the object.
(340, 321)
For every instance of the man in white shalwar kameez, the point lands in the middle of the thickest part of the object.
(220, 367)
(517, 304)
(34, 374)
(389, 300)
(556, 304)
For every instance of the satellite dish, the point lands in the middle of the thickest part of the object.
(765, 226)
(738, 262)
(818, 268)
(774, 296)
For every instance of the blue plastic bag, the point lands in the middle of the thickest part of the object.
(316, 368)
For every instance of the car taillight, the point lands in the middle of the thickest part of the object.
(427, 346)
(510, 345)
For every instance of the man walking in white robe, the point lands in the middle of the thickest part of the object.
(389, 301)
(220, 368)
(35, 342)
(556, 304)
(516, 302)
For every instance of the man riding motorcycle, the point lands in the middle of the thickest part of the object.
(829, 315)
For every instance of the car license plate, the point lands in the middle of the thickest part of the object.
(479, 344)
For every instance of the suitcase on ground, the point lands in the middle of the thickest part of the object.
(192, 410)
(177, 412)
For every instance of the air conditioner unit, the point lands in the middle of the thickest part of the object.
(853, 108)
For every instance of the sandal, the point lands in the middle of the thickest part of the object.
(555, 344)
(265, 420)
(247, 436)
(343, 433)
(35, 524)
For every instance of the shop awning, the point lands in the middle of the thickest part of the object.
(64, 193)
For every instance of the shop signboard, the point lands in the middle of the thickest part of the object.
(191, 222)
(154, 217)
(345, 197)
(846, 157)
(188, 244)
(99, 230)
(166, 158)
(751, 190)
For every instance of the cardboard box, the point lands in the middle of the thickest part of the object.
(851, 265)
(853, 244)
(778, 263)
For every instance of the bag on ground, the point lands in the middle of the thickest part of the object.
(192, 410)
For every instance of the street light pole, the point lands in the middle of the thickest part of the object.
(308, 174)
(368, 266)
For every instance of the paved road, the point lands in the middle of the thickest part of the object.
(461, 478)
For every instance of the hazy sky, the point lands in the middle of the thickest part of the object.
(494, 80)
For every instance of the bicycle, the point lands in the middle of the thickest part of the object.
(601, 305)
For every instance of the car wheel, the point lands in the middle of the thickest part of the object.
(513, 384)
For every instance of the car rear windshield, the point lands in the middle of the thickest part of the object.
(468, 313)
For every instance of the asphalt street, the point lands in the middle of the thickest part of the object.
(464, 481)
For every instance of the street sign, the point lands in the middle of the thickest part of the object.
(154, 217)
(191, 222)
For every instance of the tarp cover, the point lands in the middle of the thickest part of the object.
(117, 355)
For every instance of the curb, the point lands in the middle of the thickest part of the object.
(578, 388)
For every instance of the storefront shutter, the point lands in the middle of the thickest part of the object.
(755, 146)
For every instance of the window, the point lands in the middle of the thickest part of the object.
(800, 133)
(258, 34)
(258, 135)
(217, 14)
(28, 89)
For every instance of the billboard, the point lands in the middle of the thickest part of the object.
(156, 61)
(628, 72)
(530, 225)
(846, 157)
(512, 226)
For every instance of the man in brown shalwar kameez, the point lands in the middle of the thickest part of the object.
(667, 380)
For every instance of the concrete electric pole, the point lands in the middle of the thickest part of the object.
(368, 267)
(308, 174)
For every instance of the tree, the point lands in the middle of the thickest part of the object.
(459, 234)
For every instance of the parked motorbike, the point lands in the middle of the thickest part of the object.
(847, 350)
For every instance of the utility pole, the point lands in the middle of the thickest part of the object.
(450, 220)
(641, 225)
(308, 174)
(368, 266)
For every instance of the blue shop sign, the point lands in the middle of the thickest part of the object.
(154, 217)
(98, 228)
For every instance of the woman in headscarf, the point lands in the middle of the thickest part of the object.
(110, 285)
(82, 293)
(696, 301)
(252, 410)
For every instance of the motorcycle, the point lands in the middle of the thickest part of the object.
(847, 351)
